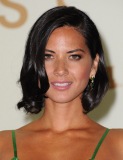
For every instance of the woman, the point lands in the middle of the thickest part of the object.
(64, 72)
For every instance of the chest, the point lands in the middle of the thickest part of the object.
(59, 149)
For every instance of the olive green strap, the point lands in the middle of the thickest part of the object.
(14, 145)
(99, 144)
(15, 158)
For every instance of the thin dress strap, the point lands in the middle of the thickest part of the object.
(99, 144)
(14, 145)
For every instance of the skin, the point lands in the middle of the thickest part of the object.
(64, 131)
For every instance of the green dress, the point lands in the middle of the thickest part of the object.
(92, 158)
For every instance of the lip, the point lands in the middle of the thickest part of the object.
(61, 85)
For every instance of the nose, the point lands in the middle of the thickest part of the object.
(61, 68)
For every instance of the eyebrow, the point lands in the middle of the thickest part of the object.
(72, 51)
(48, 50)
(76, 50)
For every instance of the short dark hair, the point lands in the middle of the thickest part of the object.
(33, 69)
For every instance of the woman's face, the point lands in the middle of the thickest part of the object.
(68, 65)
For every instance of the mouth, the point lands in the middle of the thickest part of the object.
(61, 85)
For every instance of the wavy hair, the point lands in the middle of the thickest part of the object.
(33, 69)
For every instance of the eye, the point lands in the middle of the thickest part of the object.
(75, 57)
(48, 56)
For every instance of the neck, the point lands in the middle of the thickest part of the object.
(61, 117)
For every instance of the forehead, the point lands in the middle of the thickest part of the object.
(66, 36)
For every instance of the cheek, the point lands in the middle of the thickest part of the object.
(82, 73)
(48, 70)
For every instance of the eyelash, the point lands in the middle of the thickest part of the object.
(75, 57)
(71, 57)
(48, 56)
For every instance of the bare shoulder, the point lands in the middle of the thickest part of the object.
(116, 141)
(5, 137)
(6, 145)
(117, 135)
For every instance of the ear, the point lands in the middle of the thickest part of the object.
(94, 66)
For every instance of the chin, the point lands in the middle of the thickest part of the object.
(63, 99)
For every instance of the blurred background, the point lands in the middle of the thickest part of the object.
(16, 19)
